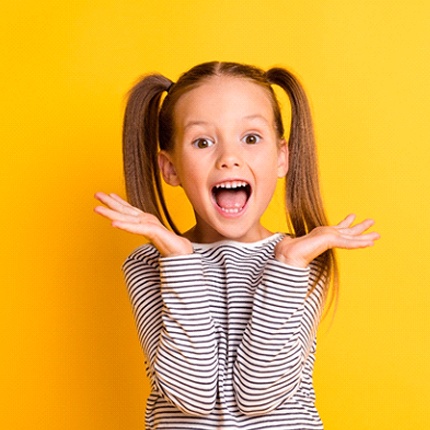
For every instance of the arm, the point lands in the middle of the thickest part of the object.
(186, 363)
(175, 329)
(171, 309)
(271, 357)
(275, 345)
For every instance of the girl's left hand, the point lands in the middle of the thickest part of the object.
(302, 250)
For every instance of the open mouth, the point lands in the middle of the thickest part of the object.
(231, 196)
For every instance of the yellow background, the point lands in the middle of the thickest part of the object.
(70, 358)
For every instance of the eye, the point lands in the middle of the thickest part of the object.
(252, 139)
(203, 143)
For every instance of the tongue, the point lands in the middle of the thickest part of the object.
(230, 199)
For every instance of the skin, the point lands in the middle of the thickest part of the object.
(224, 132)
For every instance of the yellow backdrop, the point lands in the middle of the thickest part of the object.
(70, 357)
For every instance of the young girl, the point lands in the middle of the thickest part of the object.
(227, 312)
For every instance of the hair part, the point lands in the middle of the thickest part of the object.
(149, 126)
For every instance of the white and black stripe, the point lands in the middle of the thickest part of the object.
(229, 334)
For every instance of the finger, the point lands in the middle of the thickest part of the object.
(354, 242)
(100, 196)
(131, 227)
(117, 198)
(145, 226)
(345, 223)
(115, 215)
(105, 198)
(117, 204)
(124, 206)
(361, 227)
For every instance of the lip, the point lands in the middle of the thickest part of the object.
(228, 184)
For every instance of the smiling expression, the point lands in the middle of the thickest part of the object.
(227, 156)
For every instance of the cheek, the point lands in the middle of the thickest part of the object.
(267, 162)
(182, 164)
(192, 176)
(269, 173)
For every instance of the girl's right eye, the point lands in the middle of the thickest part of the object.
(202, 143)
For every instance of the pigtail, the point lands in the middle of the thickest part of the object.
(303, 196)
(305, 209)
(140, 147)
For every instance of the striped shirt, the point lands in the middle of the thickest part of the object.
(229, 334)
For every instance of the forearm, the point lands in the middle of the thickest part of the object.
(270, 358)
(186, 363)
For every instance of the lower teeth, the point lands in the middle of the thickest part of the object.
(231, 210)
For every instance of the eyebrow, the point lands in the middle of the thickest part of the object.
(194, 123)
(245, 118)
(257, 116)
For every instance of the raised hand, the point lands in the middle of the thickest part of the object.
(133, 220)
(302, 250)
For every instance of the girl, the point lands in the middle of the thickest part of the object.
(227, 312)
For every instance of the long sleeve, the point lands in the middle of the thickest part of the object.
(186, 362)
(229, 337)
(271, 357)
(179, 338)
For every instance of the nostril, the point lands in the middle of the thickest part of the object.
(228, 165)
(229, 162)
(228, 157)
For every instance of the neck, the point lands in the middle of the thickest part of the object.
(198, 235)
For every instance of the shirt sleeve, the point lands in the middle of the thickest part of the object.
(179, 340)
(271, 357)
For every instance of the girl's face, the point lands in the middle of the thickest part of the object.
(227, 156)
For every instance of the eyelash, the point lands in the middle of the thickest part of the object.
(255, 135)
(202, 139)
(208, 142)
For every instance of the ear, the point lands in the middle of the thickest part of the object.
(282, 158)
(167, 169)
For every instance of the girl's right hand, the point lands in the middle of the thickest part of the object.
(133, 220)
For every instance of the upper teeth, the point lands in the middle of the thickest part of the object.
(232, 184)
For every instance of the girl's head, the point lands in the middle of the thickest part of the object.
(227, 155)
(149, 126)
(152, 124)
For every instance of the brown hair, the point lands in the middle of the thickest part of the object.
(149, 127)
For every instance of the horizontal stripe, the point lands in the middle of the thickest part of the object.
(229, 336)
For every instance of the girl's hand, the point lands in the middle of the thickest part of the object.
(133, 220)
(302, 250)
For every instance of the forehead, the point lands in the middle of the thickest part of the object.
(226, 99)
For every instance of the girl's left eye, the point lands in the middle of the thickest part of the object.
(252, 139)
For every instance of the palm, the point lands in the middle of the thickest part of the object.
(133, 220)
(302, 250)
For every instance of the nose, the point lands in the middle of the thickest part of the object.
(229, 156)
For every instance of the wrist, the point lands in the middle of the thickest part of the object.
(291, 261)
